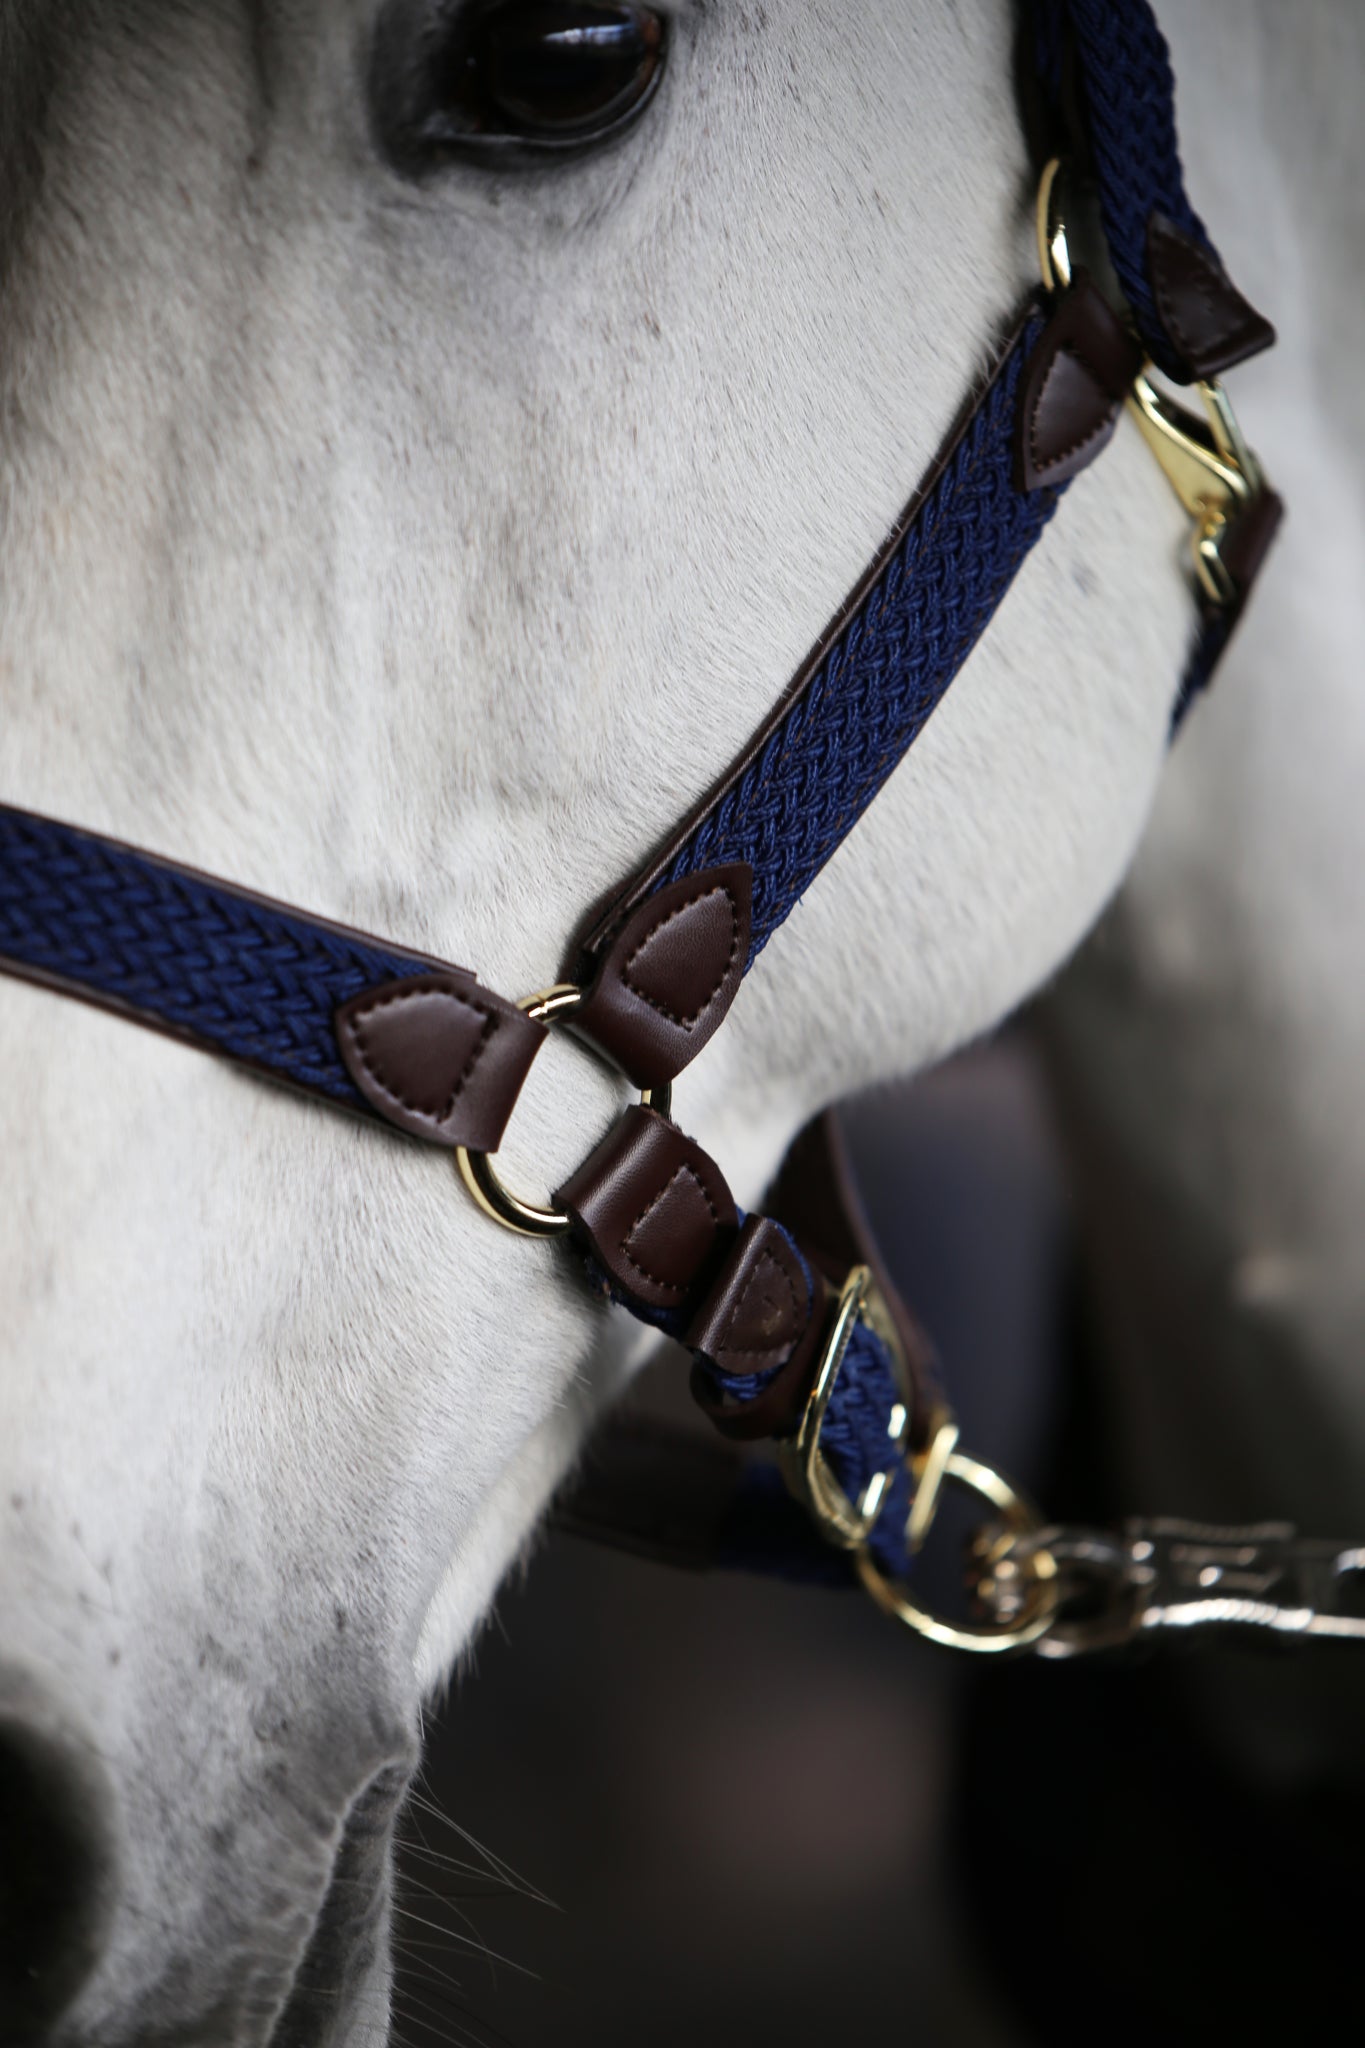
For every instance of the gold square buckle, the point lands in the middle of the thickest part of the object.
(845, 1523)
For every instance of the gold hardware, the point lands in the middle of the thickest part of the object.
(481, 1177)
(1208, 465)
(846, 1524)
(1038, 1603)
(929, 1470)
(1054, 250)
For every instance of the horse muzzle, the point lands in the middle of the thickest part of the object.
(56, 1857)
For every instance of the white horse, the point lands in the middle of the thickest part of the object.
(1211, 1040)
(415, 550)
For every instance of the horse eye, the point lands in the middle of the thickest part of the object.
(504, 79)
(566, 69)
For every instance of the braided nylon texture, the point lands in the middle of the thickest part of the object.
(195, 956)
(887, 671)
(853, 1436)
(1129, 98)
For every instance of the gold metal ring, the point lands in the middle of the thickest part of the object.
(481, 1177)
(1020, 1518)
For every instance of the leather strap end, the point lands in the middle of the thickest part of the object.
(1073, 387)
(439, 1056)
(765, 1312)
(1209, 326)
(668, 977)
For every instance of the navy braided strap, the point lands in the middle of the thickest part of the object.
(1123, 92)
(197, 958)
(853, 1439)
(875, 687)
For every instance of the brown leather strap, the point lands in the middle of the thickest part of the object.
(655, 1489)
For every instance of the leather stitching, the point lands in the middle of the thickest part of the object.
(765, 1351)
(685, 1023)
(1218, 293)
(1042, 465)
(374, 1071)
(678, 1287)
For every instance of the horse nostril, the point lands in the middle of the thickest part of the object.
(55, 1865)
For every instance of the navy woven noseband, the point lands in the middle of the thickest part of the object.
(266, 985)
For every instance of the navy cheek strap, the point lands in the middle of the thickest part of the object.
(870, 695)
(253, 980)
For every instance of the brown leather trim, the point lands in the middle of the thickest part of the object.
(667, 982)
(759, 1314)
(1249, 540)
(778, 1409)
(1210, 324)
(1073, 387)
(759, 1305)
(605, 918)
(653, 1210)
(438, 1056)
(814, 1197)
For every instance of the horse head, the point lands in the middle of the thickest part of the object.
(425, 453)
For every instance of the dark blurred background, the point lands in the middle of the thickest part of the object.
(661, 1808)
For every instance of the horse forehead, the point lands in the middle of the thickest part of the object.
(443, 492)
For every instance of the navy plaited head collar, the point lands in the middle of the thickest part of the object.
(794, 1331)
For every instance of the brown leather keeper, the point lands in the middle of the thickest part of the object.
(1072, 388)
(652, 1208)
(759, 1314)
(759, 1304)
(1210, 326)
(439, 1056)
(778, 1409)
(670, 975)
